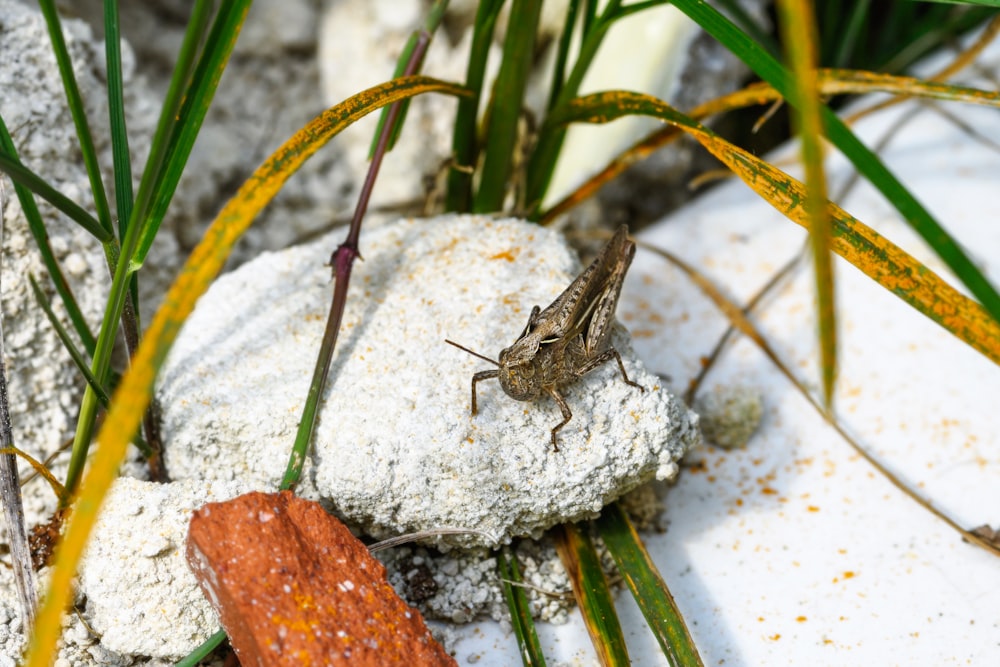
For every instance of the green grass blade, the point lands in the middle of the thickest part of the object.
(648, 588)
(542, 162)
(860, 156)
(187, 59)
(41, 236)
(116, 111)
(23, 176)
(465, 142)
(197, 99)
(140, 236)
(798, 29)
(562, 52)
(846, 41)
(520, 611)
(741, 17)
(67, 342)
(203, 651)
(592, 594)
(505, 105)
(77, 110)
(124, 197)
(434, 18)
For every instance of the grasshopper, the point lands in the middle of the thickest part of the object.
(568, 339)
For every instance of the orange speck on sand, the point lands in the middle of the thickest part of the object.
(509, 255)
(768, 491)
(739, 502)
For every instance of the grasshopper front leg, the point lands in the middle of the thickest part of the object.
(567, 415)
(481, 375)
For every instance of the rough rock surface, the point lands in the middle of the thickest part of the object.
(292, 586)
(141, 597)
(396, 449)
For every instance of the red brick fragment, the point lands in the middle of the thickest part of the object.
(292, 586)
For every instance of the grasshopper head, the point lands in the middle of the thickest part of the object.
(520, 376)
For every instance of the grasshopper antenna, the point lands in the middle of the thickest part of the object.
(475, 354)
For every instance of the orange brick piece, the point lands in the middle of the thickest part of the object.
(292, 586)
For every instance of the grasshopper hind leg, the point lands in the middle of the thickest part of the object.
(603, 358)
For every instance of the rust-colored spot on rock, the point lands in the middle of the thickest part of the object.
(509, 255)
(292, 586)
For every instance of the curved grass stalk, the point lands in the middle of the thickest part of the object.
(860, 245)
(831, 82)
(738, 319)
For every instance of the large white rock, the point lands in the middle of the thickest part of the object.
(396, 449)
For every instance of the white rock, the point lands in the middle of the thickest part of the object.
(396, 449)
(141, 597)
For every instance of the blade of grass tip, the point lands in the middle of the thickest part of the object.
(860, 156)
(505, 105)
(139, 237)
(647, 587)
(465, 142)
(342, 261)
(134, 392)
(798, 29)
(67, 342)
(520, 610)
(419, 39)
(593, 596)
(10, 491)
(41, 236)
(78, 112)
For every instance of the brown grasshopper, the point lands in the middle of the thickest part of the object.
(568, 339)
